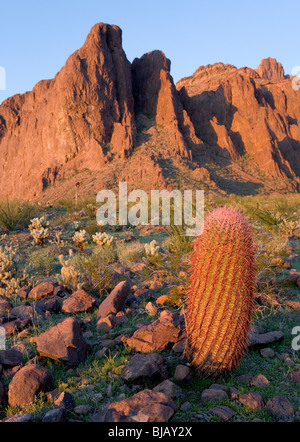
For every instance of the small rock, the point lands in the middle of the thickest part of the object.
(263, 339)
(55, 415)
(83, 410)
(280, 407)
(78, 302)
(186, 406)
(168, 328)
(27, 383)
(20, 417)
(52, 395)
(43, 290)
(109, 391)
(295, 377)
(23, 292)
(162, 300)
(156, 285)
(244, 379)
(145, 368)
(23, 312)
(10, 358)
(223, 412)
(183, 373)
(218, 387)
(115, 301)
(63, 342)
(267, 352)
(214, 395)
(169, 388)
(13, 327)
(146, 406)
(151, 309)
(179, 347)
(234, 393)
(110, 322)
(255, 401)
(260, 381)
(65, 400)
(101, 353)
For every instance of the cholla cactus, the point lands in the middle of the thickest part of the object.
(39, 230)
(69, 276)
(76, 225)
(290, 226)
(57, 239)
(38, 224)
(39, 236)
(152, 248)
(80, 238)
(103, 240)
(7, 266)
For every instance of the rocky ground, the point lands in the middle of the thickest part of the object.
(99, 334)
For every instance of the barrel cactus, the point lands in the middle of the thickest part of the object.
(220, 298)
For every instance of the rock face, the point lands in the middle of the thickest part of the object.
(271, 70)
(242, 111)
(63, 342)
(102, 116)
(72, 118)
(146, 406)
(27, 383)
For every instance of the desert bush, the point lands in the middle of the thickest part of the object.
(96, 270)
(69, 275)
(130, 253)
(14, 212)
(42, 262)
(178, 242)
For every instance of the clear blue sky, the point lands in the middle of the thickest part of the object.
(37, 36)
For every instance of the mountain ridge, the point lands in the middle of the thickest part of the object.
(102, 120)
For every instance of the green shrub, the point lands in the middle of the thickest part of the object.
(14, 212)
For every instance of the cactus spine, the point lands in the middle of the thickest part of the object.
(220, 299)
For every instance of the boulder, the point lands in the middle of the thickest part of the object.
(115, 301)
(145, 406)
(5, 305)
(280, 407)
(169, 388)
(27, 383)
(10, 358)
(167, 329)
(259, 340)
(43, 290)
(255, 401)
(78, 302)
(63, 342)
(15, 326)
(145, 368)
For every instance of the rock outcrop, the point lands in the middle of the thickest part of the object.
(77, 120)
(242, 112)
(102, 120)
